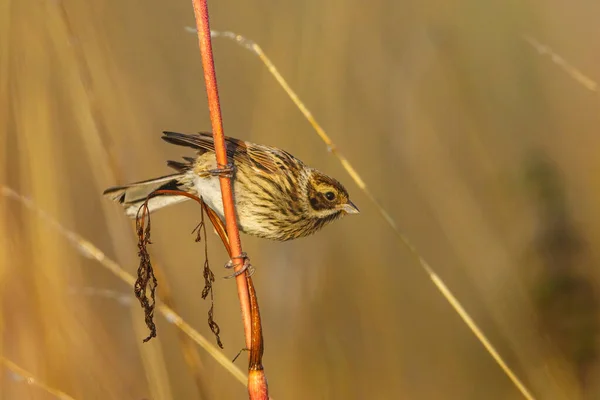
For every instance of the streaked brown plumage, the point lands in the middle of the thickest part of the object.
(276, 195)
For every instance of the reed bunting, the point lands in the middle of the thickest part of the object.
(276, 195)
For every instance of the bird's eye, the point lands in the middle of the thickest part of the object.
(330, 196)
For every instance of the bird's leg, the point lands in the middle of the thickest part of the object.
(247, 267)
(225, 171)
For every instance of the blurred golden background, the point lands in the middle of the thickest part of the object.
(484, 151)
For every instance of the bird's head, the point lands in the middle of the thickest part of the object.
(327, 197)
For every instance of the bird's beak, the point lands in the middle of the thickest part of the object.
(350, 208)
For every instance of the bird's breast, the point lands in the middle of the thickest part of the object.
(249, 220)
(263, 209)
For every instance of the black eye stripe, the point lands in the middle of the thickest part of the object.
(324, 193)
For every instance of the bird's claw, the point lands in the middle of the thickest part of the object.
(246, 267)
(231, 264)
(225, 171)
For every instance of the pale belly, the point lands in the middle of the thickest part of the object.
(209, 189)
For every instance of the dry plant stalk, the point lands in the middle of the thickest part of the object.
(563, 64)
(257, 383)
(146, 280)
(332, 148)
(29, 379)
(256, 377)
(209, 277)
(89, 250)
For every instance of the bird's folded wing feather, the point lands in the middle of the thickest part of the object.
(265, 159)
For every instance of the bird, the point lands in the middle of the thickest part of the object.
(276, 195)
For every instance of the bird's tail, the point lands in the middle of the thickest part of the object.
(132, 196)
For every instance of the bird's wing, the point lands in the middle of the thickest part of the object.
(264, 159)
